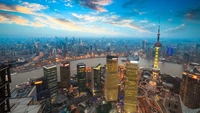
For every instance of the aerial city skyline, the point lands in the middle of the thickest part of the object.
(104, 18)
(99, 56)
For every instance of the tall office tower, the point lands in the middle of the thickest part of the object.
(65, 75)
(96, 80)
(111, 80)
(5, 79)
(50, 73)
(156, 69)
(81, 75)
(90, 47)
(190, 88)
(131, 87)
(143, 44)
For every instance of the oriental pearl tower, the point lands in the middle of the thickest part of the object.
(156, 69)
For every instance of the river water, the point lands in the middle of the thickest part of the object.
(165, 67)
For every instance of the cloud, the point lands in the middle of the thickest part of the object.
(8, 18)
(143, 21)
(56, 10)
(88, 18)
(26, 8)
(97, 5)
(68, 5)
(139, 12)
(111, 19)
(43, 20)
(34, 6)
(193, 14)
(16, 8)
(169, 20)
(134, 3)
(176, 29)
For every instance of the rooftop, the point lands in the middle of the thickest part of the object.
(81, 64)
(50, 66)
(21, 105)
(21, 92)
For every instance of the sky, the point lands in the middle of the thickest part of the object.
(100, 18)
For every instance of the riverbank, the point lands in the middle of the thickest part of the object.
(169, 68)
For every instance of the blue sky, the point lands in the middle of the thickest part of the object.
(99, 18)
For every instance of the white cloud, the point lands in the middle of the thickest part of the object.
(68, 5)
(56, 10)
(139, 12)
(169, 20)
(143, 21)
(111, 19)
(176, 29)
(34, 6)
(9, 18)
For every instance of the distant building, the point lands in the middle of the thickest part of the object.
(186, 57)
(50, 73)
(143, 44)
(111, 79)
(81, 75)
(131, 87)
(170, 51)
(5, 79)
(65, 75)
(96, 80)
(190, 88)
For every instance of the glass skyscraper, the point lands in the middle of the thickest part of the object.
(131, 87)
(111, 79)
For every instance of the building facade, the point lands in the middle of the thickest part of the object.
(65, 75)
(81, 75)
(111, 79)
(5, 79)
(131, 87)
(96, 80)
(190, 89)
(50, 73)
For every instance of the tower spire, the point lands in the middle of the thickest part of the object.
(158, 39)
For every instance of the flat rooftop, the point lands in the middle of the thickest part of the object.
(21, 92)
(81, 64)
(20, 105)
(49, 66)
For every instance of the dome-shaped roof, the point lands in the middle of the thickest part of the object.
(157, 44)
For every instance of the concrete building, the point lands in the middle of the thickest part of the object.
(5, 79)
(111, 79)
(81, 75)
(96, 80)
(50, 73)
(65, 75)
(190, 88)
(131, 87)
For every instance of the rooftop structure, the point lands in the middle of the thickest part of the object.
(25, 105)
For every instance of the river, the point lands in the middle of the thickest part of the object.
(166, 67)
